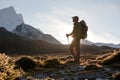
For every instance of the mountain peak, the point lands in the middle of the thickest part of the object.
(8, 8)
(9, 18)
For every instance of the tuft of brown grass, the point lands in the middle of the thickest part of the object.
(116, 76)
(7, 71)
(113, 58)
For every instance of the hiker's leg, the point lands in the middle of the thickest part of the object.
(72, 50)
(77, 47)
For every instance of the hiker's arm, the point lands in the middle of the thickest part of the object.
(69, 34)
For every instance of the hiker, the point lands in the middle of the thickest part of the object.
(77, 36)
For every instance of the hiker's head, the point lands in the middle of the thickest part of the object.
(75, 18)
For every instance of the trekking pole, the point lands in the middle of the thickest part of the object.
(68, 40)
(68, 44)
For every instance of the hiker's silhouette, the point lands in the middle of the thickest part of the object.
(77, 35)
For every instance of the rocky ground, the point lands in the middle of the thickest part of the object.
(61, 67)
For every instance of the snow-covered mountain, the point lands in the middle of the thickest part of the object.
(14, 22)
(9, 18)
(87, 42)
(29, 32)
(108, 44)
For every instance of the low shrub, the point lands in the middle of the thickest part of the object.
(54, 63)
(91, 67)
(25, 63)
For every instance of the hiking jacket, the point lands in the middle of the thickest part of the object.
(77, 30)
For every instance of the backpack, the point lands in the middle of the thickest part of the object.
(84, 30)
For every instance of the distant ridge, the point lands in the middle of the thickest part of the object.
(108, 44)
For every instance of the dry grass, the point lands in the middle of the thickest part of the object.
(44, 63)
(112, 58)
(7, 64)
(7, 71)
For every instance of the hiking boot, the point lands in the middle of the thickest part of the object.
(77, 61)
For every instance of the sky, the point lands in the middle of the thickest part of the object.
(54, 17)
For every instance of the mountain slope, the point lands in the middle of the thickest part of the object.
(6, 35)
(32, 33)
(85, 41)
(14, 44)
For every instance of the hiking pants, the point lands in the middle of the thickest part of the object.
(75, 48)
